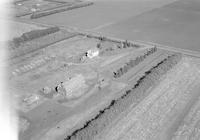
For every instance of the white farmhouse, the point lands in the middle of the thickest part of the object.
(92, 53)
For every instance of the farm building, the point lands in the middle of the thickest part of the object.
(73, 87)
(92, 53)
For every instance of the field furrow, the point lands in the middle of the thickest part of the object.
(159, 110)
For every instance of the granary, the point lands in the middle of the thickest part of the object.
(73, 86)
(46, 90)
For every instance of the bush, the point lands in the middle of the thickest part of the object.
(133, 63)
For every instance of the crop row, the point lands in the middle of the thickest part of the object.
(32, 65)
(135, 94)
(33, 35)
(39, 43)
(132, 63)
(190, 127)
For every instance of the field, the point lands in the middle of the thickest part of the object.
(63, 60)
(171, 23)
(88, 18)
(175, 24)
(94, 73)
(40, 8)
(28, 6)
(157, 116)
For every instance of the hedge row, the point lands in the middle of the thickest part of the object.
(54, 11)
(124, 45)
(134, 95)
(34, 34)
(120, 43)
(39, 43)
(132, 63)
(127, 44)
